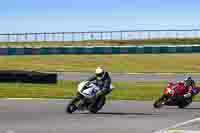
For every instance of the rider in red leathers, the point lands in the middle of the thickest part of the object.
(187, 88)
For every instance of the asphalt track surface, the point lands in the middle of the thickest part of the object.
(131, 77)
(48, 116)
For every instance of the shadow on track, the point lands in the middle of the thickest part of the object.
(121, 113)
(188, 108)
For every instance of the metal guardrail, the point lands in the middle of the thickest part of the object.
(131, 49)
(100, 35)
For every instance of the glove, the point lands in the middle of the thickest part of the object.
(98, 93)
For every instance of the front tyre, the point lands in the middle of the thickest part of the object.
(159, 103)
(71, 107)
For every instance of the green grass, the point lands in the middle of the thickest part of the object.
(107, 42)
(124, 90)
(34, 90)
(112, 63)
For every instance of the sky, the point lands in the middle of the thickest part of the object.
(95, 15)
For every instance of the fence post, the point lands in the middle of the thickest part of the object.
(63, 36)
(92, 36)
(17, 37)
(82, 36)
(8, 37)
(26, 36)
(101, 34)
(149, 35)
(195, 33)
(176, 34)
(111, 35)
(53, 36)
(45, 38)
(35, 34)
(121, 38)
(73, 37)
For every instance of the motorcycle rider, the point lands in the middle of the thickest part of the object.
(102, 79)
(189, 88)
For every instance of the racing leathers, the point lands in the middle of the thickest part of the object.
(187, 91)
(103, 83)
(191, 90)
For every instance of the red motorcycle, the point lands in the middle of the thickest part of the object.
(173, 96)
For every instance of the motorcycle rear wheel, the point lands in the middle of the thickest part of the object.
(100, 102)
(185, 103)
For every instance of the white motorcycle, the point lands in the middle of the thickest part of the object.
(84, 98)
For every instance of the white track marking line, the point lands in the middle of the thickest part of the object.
(183, 131)
(177, 125)
(32, 99)
(40, 100)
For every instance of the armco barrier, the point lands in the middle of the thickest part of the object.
(156, 49)
(27, 77)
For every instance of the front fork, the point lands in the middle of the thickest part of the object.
(167, 100)
(76, 101)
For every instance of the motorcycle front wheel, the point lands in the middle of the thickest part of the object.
(71, 107)
(159, 103)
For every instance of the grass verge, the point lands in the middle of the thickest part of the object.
(124, 90)
(87, 63)
(161, 41)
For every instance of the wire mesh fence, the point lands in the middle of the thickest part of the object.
(100, 35)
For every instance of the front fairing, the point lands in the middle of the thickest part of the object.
(88, 91)
(168, 91)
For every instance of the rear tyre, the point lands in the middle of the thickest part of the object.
(100, 102)
(185, 103)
